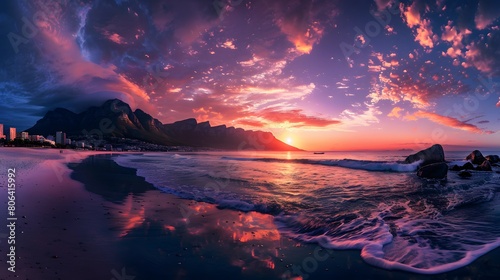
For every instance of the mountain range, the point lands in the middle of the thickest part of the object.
(115, 118)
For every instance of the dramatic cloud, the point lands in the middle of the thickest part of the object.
(420, 87)
(294, 118)
(448, 121)
(487, 12)
(452, 35)
(422, 27)
(484, 54)
(300, 21)
(411, 14)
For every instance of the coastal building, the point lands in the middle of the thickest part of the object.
(12, 133)
(67, 141)
(1, 131)
(80, 144)
(36, 138)
(60, 137)
(25, 135)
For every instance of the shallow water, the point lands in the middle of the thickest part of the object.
(364, 201)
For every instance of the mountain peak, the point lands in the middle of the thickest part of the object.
(141, 126)
(116, 105)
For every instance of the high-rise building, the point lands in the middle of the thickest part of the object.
(24, 135)
(12, 133)
(1, 131)
(60, 138)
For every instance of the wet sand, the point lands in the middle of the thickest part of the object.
(102, 221)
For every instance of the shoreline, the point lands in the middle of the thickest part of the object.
(104, 219)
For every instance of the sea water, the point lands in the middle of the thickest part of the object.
(365, 201)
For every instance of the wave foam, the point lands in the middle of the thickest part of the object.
(367, 165)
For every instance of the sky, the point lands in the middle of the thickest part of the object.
(321, 75)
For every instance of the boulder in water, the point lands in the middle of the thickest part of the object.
(465, 174)
(456, 168)
(433, 171)
(476, 157)
(485, 166)
(492, 158)
(468, 165)
(433, 154)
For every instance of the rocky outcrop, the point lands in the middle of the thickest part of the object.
(485, 166)
(433, 171)
(466, 166)
(432, 164)
(492, 158)
(476, 157)
(434, 154)
(465, 174)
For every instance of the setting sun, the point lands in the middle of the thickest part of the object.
(289, 140)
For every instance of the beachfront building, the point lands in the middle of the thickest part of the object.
(1, 131)
(60, 137)
(25, 135)
(67, 141)
(36, 138)
(12, 133)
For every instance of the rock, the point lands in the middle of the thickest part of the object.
(468, 165)
(465, 174)
(456, 168)
(433, 171)
(485, 166)
(493, 158)
(433, 154)
(476, 157)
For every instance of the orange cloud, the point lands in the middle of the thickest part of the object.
(294, 118)
(395, 112)
(253, 123)
(425, 36)
(411, 14)
(300, 23)
(449, 121)
(423, 33)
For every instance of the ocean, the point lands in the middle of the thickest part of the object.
(366, 201)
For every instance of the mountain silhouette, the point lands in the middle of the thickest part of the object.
(115, 118)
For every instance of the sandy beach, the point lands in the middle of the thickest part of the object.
(82, 216)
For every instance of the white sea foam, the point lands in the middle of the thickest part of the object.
(390, 166)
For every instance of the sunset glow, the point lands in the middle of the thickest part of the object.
(321, 75)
